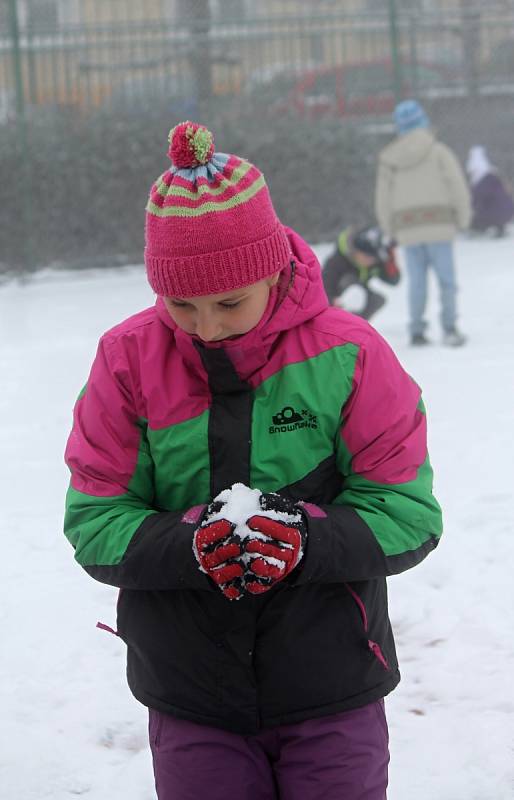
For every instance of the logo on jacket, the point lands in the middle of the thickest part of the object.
(290, 420)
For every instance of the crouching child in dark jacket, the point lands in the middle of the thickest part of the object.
(359, 256)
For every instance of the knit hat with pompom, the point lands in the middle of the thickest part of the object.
(210, 223)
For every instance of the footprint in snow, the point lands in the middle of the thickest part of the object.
(124, 737)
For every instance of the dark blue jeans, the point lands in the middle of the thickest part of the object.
(339, 757)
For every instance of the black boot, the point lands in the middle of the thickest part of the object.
(373, 303)
(419, 340)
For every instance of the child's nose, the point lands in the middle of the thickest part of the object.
(207, 327)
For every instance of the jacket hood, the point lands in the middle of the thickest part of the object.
(298, 296)
(408, 149)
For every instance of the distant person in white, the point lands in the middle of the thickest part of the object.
(493, 204)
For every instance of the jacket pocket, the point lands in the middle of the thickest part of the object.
(374, 647)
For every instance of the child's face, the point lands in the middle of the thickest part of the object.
(363, 259)
(214, 317)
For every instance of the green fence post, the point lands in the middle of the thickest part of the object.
(413, 77)
(22, 138)
(393, 33)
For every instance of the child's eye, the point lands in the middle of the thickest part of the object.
(179, 304)
(230, 305)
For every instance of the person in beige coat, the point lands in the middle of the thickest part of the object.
(422, 200)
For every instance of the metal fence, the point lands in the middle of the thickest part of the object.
(74, 59)
(107, 55)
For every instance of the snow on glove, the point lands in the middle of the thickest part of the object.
(218, 552)
(279, 546)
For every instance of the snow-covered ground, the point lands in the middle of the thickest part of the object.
(70, 726)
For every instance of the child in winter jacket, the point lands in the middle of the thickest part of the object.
(493, 204)
(357, 257)
(422, 200)
(248, 465)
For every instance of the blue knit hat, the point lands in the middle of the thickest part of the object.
(408, 115)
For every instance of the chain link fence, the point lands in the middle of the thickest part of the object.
(88, 89)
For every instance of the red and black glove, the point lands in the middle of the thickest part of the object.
(280, 545)
(219, 552)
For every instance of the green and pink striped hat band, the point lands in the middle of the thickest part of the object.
(210, 223)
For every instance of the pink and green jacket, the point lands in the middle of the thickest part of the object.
(311, 403)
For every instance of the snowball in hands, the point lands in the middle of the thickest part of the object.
(259, 540)
(239, 504)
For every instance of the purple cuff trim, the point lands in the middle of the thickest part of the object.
(312, 510)
(194, 513)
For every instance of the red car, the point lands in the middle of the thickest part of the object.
(355, 89)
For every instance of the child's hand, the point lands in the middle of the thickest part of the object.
(249, 556)
(217, 551)
(279, 548)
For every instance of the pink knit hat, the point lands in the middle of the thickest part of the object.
(210, 224)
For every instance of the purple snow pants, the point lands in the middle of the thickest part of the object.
(339, 757)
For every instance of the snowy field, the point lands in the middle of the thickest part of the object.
(70, 726)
